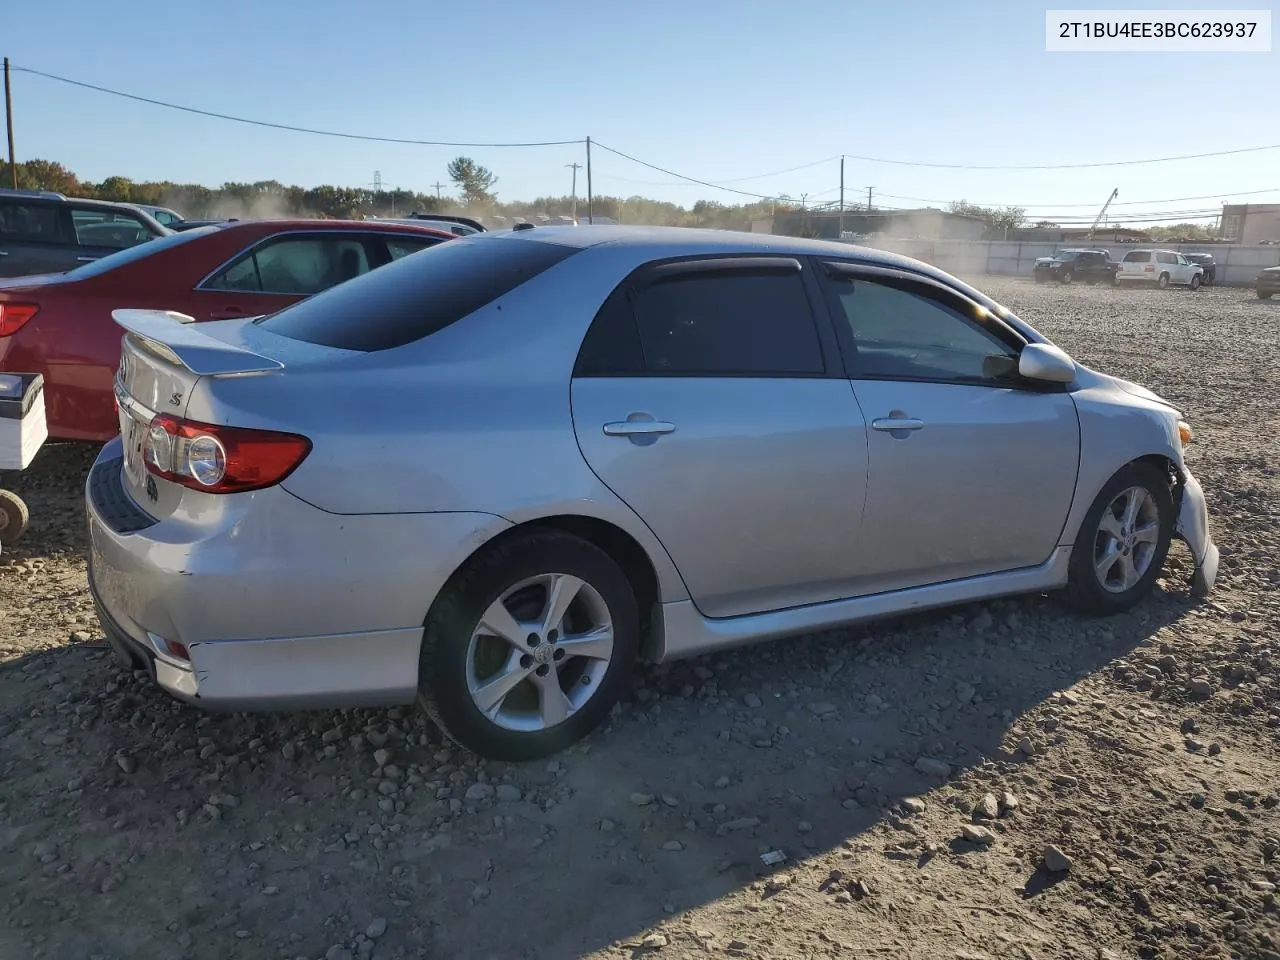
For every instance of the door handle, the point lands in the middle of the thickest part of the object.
(894, 424)
(85, 259)
(638, 428)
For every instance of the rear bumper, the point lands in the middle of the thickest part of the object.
(278, 604)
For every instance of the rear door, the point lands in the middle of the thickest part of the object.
(35, 237)
(971, 470)
(99, 232)
(710, 398)
(1138, 265)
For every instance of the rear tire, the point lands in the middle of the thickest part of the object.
(1065, 277)
(1163, 282)
(506, 610)
(14, 518)
(1116, 558)
(1195, 283)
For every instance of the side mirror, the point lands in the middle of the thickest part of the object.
(1043, 361)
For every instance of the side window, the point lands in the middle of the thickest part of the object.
(732, 323)
(398, 247)
(1166, 258)
(99, 228)
(296, 266)
(899, 334)
(29, 222)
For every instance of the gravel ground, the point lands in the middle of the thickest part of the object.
(996, 781)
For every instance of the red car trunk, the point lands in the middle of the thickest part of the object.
(60, 325)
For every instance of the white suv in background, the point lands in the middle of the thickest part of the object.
(1161, 267)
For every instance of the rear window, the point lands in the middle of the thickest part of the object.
(1138, 256)
(414, 297)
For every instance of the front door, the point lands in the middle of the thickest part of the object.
(710, 399)
(971, 470)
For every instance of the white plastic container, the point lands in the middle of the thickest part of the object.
(23, 428)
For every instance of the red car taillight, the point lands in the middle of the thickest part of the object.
(217, 459)
(14, 316)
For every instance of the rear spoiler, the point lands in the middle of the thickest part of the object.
(172, 336)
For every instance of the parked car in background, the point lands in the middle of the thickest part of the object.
(1161, 267)
(458, 226)
(1207, 263)
(1091, 266)
(60, 325)
(1267, 283)
(194, 224)
(494, 475)
(45, 232)
(170, 218)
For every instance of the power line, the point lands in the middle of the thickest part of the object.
(757, 176)
(1123, 203)
(285, 126)
(1061, 166)
(680, 176)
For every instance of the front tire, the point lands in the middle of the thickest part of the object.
(1123, 542)
(1065, 277)
(529, 647)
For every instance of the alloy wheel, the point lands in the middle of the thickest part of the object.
(1126, 540)
(539, 652)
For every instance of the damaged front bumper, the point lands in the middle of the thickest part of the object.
(1193, 530)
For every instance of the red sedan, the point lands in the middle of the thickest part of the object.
(60, 324)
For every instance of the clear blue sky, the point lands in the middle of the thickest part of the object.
(713, 89)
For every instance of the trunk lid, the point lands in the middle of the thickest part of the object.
(162, 357)
(165, 359)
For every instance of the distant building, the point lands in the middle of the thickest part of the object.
(1250, 222)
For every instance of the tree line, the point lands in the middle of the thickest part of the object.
(475, 187)
(476, 196)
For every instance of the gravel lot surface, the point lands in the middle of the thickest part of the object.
(995, 781)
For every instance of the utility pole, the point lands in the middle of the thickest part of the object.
(574, 167)
(869, 189)
(437, 185)
(840, 235)
(8, 122)
(590, 219)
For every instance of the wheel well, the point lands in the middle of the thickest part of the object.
(1167, 467)
(621, 547)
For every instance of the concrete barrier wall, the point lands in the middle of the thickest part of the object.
(1237, 263)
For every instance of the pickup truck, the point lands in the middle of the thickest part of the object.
(1090, 265)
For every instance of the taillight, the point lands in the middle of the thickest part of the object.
(14, 316)
(218, 459)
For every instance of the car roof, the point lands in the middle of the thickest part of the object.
(655, 243)
(280, 226)
(693, 240)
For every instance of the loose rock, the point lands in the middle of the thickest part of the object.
(1055, 860)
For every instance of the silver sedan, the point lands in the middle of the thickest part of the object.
(493, 475)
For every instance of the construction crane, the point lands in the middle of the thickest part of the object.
(1103, 212)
